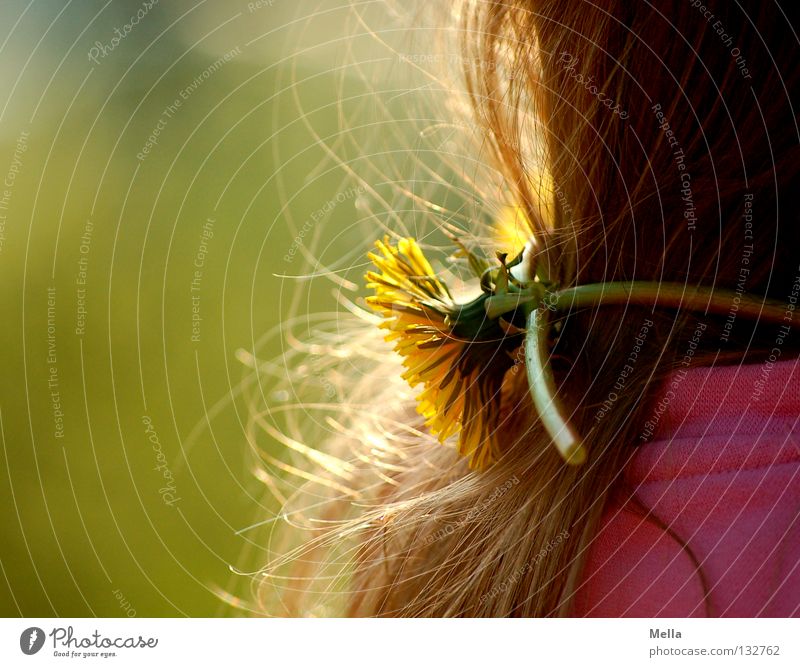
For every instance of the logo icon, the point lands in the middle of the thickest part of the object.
(31, 640)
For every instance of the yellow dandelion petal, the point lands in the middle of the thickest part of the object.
(512, 230)
(454, 351)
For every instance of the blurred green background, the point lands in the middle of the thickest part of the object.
(149, 179)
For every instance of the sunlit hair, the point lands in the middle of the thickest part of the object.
(626, 138)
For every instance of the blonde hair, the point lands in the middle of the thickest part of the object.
(567, 96)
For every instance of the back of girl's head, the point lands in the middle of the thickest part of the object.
(642, 141)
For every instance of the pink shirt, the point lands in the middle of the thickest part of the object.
(722, 471)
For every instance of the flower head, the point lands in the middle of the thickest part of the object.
(459, 353)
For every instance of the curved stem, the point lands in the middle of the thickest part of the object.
(543, 389)
(671, 295)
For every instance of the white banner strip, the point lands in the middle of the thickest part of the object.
(400, 642)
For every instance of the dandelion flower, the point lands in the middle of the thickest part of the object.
(456, 352)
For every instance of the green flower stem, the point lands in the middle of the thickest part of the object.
(669, 295)
(543, 389)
